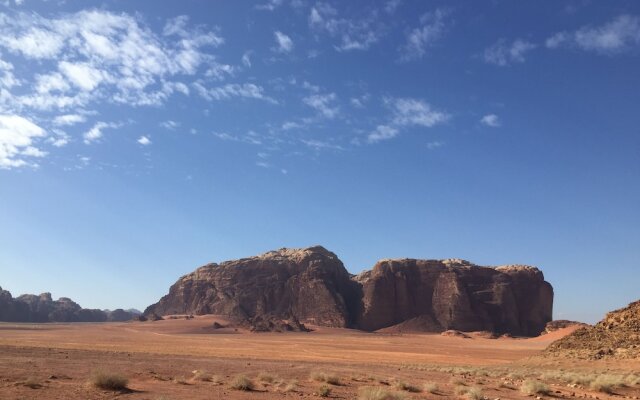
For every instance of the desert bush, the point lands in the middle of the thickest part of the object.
(606, 383)
(430, 387)
(291, 386)
(460, 390)
(408, 387)
(266, 377)
(216, 379)
(457, 382)
(180, 380)
(376, 393)
(241, 382)
(531, 387)
(331, 379)
(474, 393)
(201, 376)
(32, 383)
(324, 391)
(108, 380)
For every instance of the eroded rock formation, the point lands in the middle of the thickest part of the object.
(312, 286)
(42, 308)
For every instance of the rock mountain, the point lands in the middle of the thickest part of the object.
(313, 287)
(42, 308)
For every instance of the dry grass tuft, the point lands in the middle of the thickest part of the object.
(431, 387)
(531, 387)
(331, 379)
(376, 393)
(460, 390)
(291, 386)
(324, 391)
(266, 377)
(108, 380)
(241, 382)
(606, 383)
(201, 376)
(474, 393)
(408, 387)
(32, 383)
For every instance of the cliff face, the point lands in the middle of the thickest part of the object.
(455, 294)
(42, 308)
(311, 285)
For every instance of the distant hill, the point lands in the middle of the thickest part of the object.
(616, 336)
(42, 308)
(284, 288)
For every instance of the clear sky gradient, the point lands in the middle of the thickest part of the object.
(142, 139)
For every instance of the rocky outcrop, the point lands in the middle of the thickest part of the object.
(42, 308)
(616, 336)
(455, 294)
(312, 286)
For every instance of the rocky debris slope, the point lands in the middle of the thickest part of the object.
(313, 287)
(42, 308)
(616, 336)
(562, 324)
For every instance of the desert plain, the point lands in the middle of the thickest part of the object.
(180, 358)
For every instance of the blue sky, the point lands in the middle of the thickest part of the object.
(139, 140)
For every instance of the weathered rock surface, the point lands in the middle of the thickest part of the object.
(555, 325)
(312, 286)
(309, 284)
(42, 308)
(616, 336)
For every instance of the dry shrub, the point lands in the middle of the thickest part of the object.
(606, 383)
(291, 386)
(331, 379)
(108, 380)
(324, 391)
(241, 382)
(460, 390)
(201, 376)
(32, 383)
(430, 387)
(376, 393)
(531, 387)
(474, 393)
(266, 377)
(408, 387)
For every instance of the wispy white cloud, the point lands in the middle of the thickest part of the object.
(353, 34)
(270, 5)
(98, 50)
(68, 119)
(406, 112)
(502, 53)
(391, 6)
(170, 124)
(491, 120)
(17, 135)
(144, 140)
(616, 36)
(230, 90)
(60, 139)
(323, 104)
(95, 133)
(251, 137)
(433, 26)
(284, 42)
(320, 144)
(246, 59)
(434, 145)
(382, 132)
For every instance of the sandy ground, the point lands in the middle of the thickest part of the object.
(55, 361)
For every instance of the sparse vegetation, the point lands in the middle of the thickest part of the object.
(201, 376)
(408, 387)
(430, 387)
(266, 377)
(377, 393)
(241, 382)
(291, 386)
(324, 390)
(606, 383)
(457, 382)
(531, 387)
(32, 383)
(474, 393)
(460, 390)
(331, 379)
(108, 380)
(216, 380)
